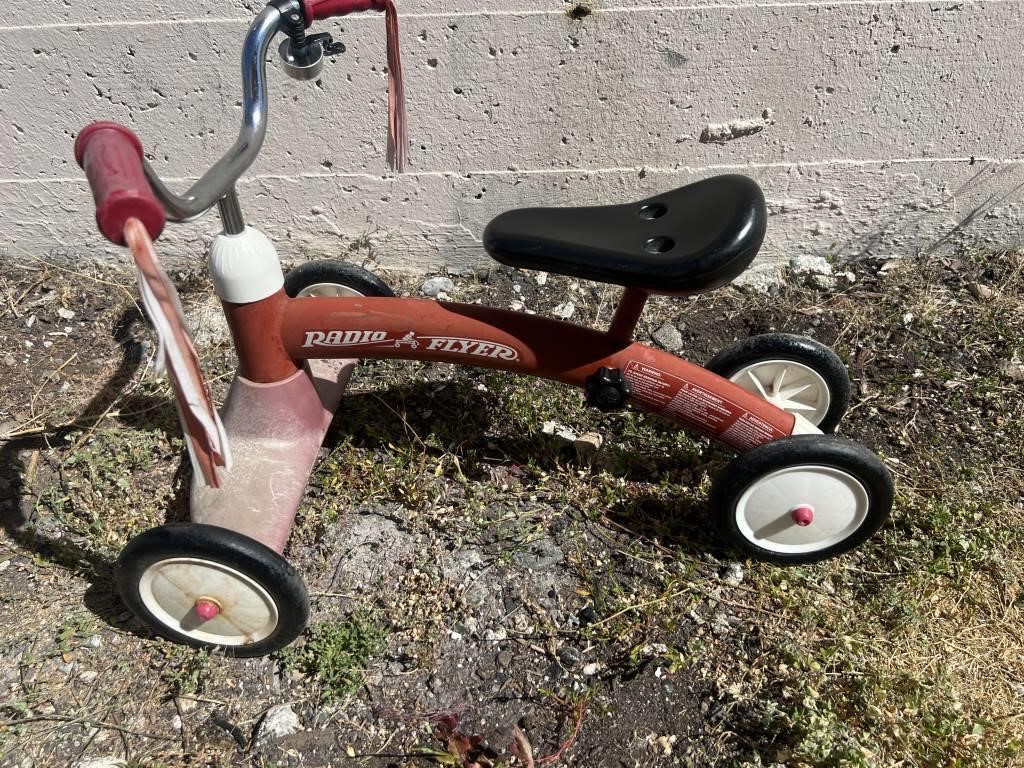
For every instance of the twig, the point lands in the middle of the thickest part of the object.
(84, 720)
(31, 288)
(186, 742)
(32, 404)
(10, 300)
(580, 709)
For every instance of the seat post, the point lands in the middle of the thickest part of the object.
(627, 314)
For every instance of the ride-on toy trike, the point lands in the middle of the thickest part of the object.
(793, 494)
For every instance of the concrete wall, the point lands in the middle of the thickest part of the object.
(874, 127)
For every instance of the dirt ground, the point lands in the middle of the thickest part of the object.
(475, 576)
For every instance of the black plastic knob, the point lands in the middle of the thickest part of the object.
(607, 390)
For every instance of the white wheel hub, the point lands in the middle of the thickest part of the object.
(791, 386)
(802, 509)
(332, 290)
(172, 589)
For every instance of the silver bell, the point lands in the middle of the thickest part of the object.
(302, 63)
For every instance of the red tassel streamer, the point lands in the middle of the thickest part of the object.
(398, 135)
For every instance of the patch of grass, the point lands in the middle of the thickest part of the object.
(113, 486)
(186, 671)
(335, 654)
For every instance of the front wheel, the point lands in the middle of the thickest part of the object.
(210, 587)
(802, 499)
(333, 278)
(797, 374)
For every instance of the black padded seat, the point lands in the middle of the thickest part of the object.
(686, 241)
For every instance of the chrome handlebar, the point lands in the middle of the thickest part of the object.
(221, 178)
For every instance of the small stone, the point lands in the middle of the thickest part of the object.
(1013, 370)
(587, 616)
(720, 623)
(504, 660)
(761, 278)
(10, 361)
(569, 656)
(587, 445)
(279, 721)
(65, 314)
(669, 338)
(554, 428)
(176, 722)
(666, 743)
(100, 762)
(541, 278)
(981, 291)
(733, 574)
(184, 703)
(815, 268)
(437, 285)
(564, 311)
(208, 323)
(591, 669)
(88, 676)
(94, 641)
(30, 321)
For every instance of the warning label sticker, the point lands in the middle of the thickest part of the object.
(701, 408)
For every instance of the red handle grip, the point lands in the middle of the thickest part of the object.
(111, 156)
(314, 10)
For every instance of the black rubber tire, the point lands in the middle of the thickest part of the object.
(226, 548)
(355, 278)
(808, 450)
(799, 349)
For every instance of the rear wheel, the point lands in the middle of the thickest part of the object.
(211, 587)
(333, 278)
(797, 374)
(801, 499)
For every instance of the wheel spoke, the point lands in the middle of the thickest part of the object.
(792, 392)
(791, 405)
(779, 377)
(757, 383)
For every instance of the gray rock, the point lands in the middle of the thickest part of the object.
(437, 285)
(280, 721)
(564, 311)
(554, 428)
(668, 337)
(540, 556)
(208, 324)
(1013, 370)
(761, 278)
(732, 574)
(815, 268)
(569, 656)
(587, 445)
(504, 660)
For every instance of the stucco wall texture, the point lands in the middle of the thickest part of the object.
(874, 128)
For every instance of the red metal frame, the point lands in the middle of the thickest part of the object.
(274, 335)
